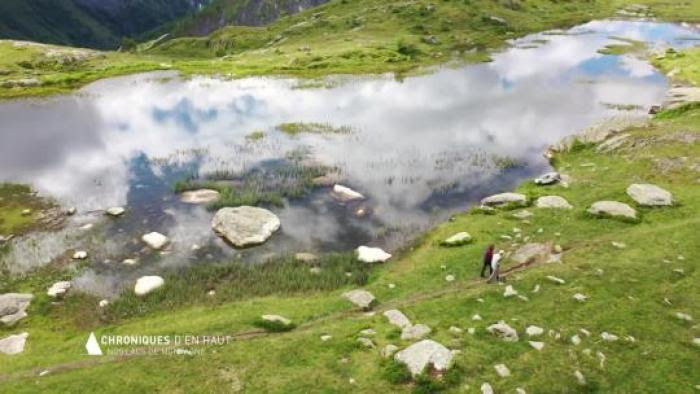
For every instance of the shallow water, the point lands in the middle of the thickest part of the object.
(420, 148)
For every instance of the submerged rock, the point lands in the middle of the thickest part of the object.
(147, 284)
(344, 193)
(115, 211)
(458, 239)
(361, 298)
(200, 196)
(155, 240)
(367, 254)
(650, 195)
(14, 344)
(245, 226)
(505, 198)
(553, 202)
(612, 208)
(13, 307)
(425, 354)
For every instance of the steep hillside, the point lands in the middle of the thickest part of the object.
(87, 23)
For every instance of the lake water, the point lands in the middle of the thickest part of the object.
(420, 149)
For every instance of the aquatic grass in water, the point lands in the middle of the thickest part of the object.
(296, 128)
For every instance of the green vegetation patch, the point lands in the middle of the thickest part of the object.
(297, 128)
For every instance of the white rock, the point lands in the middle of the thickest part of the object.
(276, 319)
(245, 226)
(58, 289)
(115, 211)
(14, 344)
(200, 196)
(536, 345)
(397, 318)
(367, 254)
(418, 331)
(503, 331)
(505, 198)
(147, 284)
(534, 331)
(471, 330)
(518, 390)
(532, 252)
(650, 195)
(609, 337)
(576, 340)
(619, 245)
(424, 354)
(684, 316)
(450, 278)
(553, 202)
(548, 178)
(389, 350)
(536, 289)
(524, 214)
(510, 292)
(361, 298)
(155, 240)
(344, 193)
(612, 208)
(556, 280)
(579, 378)
(458, 239)
(455, 330)
(13, 307)
(486, 389)
(476, 317)
(584, 332)
(580, 297)
(696, 341)
(80, 255)
(104, 303)
(502, 370)
(129, 262)
(366, 342)
(368, 332)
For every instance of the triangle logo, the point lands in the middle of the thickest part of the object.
(92, 346)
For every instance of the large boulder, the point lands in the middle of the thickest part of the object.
(372, 255)
(397, 318)
(361, 298)
(532, 253)
(147, 284)
(650, 195)
(155, 240)
(245, 226)
(13, 307)
(14, 344)
(458, 239)
(504, 199)
(200, 196)
(425, 354)
(553, 202)
(613, 209)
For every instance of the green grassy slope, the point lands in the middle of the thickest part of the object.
(634, 292)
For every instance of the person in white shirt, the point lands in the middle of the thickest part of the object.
(495, 266)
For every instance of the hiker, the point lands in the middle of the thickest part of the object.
(487, 260)
(496, 267)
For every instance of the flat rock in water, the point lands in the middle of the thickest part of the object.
(418, 331)
(361, 298)
(155, 240)
(425, 354)
(367, 254)
(14, 344)
(505, 198)
(245, 226)
(13, 307)
(58, 289)
(200, 196)
(503, 331)
(553, 202)
(458, 239)
(549, 178)
(397, 318)
(612, 208)
(532, 253)
(650, 195)
(344, 193)
(147, 284)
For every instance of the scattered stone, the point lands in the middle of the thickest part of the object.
(155, 240)
(368, 332)
(519, 390)
(537, 345)
(503, 331)
(505, 198)
(361, 298)
(245, 226)
(580, 297)
(486, 389)
(391, 285)
(115, 211)
(534, 331)
(684, 316)
(80, 255)
(147, 284)
(556, 280)
(619, 245)
(532, 253)
(696, 341)
(558, 249)
(679, 271)
(418, 331)
(576, 340)
(502, 370)
(609, 337)
(455, 330)
(471, 330)
(372, 255)
(600, 132)
(524, 214)
(549, 178)
(58, 289)
(103, 303)
(389, 350)
(510, 292)
(366, 342)
(200, 196)
(397, 318)
(305, 257)
(13, 307)
(211, 293)
(129, 262)
(536, 289)
(344, 193)
(425, 354)
(612, 208)
(71, 211)
(450, 278)
(14, 344)
(650, 195)
(276, 319)
(458, 239)
(584, 332)
(579, 378)
(476, 317)
(553, 202)
(26, 212)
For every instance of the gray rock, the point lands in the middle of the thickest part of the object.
(601, 131)
(418, 331)
(156, 241)
(612, 208)
(58, 289)
(650, 195)
(13, 307)
(389, 350)
(245, 226)
(361, 298)
(115, 211)
(531, 253)
(534, 331)
(524, 214)
(200, 196)
(344, 193)
(503, 331)
(549, 178)
(366, 342)
(486, 389)
(397, 318)
(14, 344)
(505, 198)
(276, 319)
(147, 284)
(552, 202)
(458, 239)
(425, 354)
(536, 345)
(502, 370)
